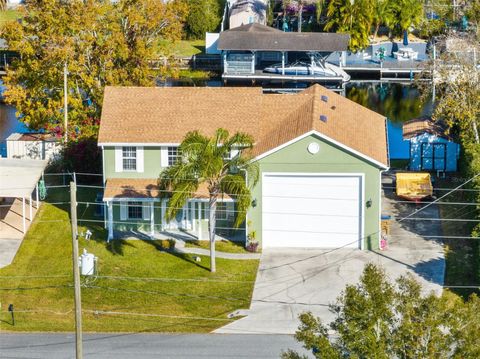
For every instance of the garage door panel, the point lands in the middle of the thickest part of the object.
(321, 211)
(310, 206)
(330, 224)
(299, 190)
(285, 239)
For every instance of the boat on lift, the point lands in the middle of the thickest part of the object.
(315, 68)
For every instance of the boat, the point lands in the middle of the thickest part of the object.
(315, 68)
(414, 186)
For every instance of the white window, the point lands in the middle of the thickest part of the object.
(222, 212)
(135, 210)
(173, 155)
(129, 158)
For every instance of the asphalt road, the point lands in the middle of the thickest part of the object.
(119, 346)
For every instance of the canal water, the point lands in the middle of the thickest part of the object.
(398, 102)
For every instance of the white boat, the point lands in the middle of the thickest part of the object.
(315, 68)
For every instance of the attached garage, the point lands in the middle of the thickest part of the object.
(312, 210)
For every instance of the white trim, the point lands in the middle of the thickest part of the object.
(142, 199)
(135, 144)
(103, 183)
(152, 220)
(361, 238)
(123, 211)
(164, 156)
(140, 159)
(326, 138)
(110, 221)
(118, 159)
(130, 199)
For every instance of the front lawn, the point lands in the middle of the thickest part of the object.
(142, 287)
(221, 246)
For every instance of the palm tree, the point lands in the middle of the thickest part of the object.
(354, 17)
(409, 13)
(209, 161)
(383, 14)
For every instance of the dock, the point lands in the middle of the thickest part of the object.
(264, 76)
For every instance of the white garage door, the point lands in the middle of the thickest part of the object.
(311, 211)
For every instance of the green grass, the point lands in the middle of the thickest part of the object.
(182, 48)
(459, 253)
(221, 246)
(8, 15)
(39, 281)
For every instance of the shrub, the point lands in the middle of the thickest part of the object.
(167, 244)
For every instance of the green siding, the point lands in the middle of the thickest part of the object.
(330, 159)
(152, 166)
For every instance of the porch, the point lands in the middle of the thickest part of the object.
(134, 209)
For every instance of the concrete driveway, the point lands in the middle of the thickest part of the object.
(290, 282)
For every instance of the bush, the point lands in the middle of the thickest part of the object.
(167, 244)
(203, 16)
(82, 156)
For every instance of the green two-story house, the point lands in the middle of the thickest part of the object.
(320, 158)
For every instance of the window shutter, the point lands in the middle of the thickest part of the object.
(123, 211)
(146, 211)
(164, 157)
(118, 159)
(140, 160)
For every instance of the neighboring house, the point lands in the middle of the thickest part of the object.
(320, 157)
(243, 12)
(431, 149)
(35, 146)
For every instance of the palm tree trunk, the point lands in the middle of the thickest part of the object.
(300, 19)
(211, 229)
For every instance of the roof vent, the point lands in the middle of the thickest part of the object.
(323, 118)
(324, 98)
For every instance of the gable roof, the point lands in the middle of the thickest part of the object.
(419, 126)
(259, 37)
(141, 115)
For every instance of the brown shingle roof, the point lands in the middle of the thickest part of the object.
(143, 188)
(165, 115)
(423, 125)
(264, 38)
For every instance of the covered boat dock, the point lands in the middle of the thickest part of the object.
(247, 50)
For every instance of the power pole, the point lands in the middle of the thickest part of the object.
(65, 100)
(76, 271)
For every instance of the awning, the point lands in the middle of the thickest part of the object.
(143, 189)
(256, 37)
(19, 177)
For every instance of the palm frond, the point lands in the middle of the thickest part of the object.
(183, 191)
(235, 186)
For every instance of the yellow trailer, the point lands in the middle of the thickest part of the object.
(414, 186)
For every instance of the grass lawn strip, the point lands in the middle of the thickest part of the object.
(170, 292)
(221, 246)
(459, 253)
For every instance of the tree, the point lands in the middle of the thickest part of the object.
(103, 43)
(383, 14)
(354, 17)
(377, 319)
(203, 16)
(408, 13)
(209, 161)
(473, 15)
